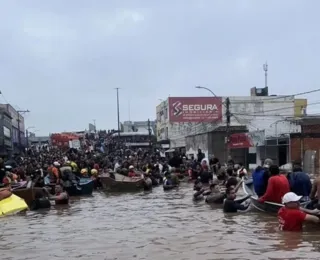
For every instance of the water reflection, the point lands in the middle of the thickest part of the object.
(156, 225)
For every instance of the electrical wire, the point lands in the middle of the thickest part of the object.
(278, 109)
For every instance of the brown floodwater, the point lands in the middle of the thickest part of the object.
(157, 225)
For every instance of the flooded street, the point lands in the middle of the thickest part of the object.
(157, 225)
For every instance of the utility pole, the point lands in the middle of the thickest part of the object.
(149, 131)
(118, 113)
(265, 68)
(19, 136)
(228, 115)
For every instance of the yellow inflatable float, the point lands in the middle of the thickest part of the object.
(12, 205)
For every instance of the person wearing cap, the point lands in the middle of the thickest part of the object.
(56, 172)
(291, 217)
(131, 172)
(278, 185)
(260, 178)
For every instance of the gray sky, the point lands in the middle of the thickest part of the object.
(62, 59)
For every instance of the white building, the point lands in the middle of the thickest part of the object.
(267, 113)
(138, 126)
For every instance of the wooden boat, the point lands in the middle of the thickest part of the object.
(83, 188)
(120, 183)
(267, 206)
(30, 195)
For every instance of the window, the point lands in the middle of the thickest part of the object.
(165, 113)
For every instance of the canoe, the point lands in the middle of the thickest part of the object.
(267, 206)
(121, 183)
(29, 195)
(83, 188)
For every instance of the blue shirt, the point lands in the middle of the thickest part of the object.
(260, 181)
(300, 183)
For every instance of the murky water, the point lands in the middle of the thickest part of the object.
(157, 225)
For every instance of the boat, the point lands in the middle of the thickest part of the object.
(12, 205)
(116, 182)
(267, 206)
(84, 187)
(29, 195)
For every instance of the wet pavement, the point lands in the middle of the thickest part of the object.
(157, 225)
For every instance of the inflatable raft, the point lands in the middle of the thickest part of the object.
(12, 205)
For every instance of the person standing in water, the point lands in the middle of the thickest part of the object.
(291, 217)
(230, 205)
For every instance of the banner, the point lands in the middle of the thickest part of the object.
(195, 109)
(246, 140)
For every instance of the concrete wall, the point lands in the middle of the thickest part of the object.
(304, 144)
(195, 142)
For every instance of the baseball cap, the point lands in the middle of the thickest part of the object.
(290, 197)
(267, 163)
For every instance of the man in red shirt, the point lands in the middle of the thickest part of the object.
(278, 185)
(291, 216)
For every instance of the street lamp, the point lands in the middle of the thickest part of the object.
(208, 89)
(228, 115)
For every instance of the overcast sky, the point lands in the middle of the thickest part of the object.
(62, 59)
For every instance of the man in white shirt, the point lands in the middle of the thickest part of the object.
(117, 166)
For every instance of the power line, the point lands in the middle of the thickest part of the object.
(297, 94)
(277, 109)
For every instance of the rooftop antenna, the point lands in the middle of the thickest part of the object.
(265, 68)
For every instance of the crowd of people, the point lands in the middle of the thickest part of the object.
(213, 181)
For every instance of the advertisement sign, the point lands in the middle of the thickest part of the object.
(75, 144)
(246, 140)
(195, 109)
(6, 132)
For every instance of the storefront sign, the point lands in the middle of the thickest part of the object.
(246, 140)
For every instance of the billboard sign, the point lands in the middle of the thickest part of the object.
(246, 140)
(195, 109)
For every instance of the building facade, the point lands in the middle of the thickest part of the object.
(257, 112)
(305, 146)
(138, 126)
(267, 118)
(5, 133)
(18, 129)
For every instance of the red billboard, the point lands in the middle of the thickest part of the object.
(195, 109)
(246, 140)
